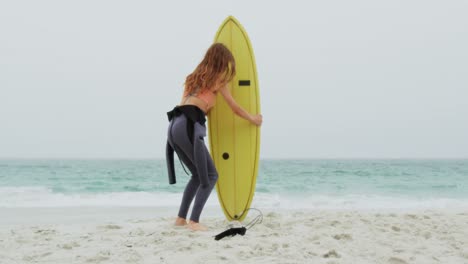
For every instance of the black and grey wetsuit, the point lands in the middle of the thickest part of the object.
(185, 137)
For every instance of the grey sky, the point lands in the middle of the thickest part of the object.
(338, 79)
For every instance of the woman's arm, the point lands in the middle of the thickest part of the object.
(237, 109)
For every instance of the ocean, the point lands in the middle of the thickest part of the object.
(281, 184)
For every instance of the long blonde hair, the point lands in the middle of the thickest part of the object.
(217, 63)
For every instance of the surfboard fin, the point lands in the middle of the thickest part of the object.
(231, 232)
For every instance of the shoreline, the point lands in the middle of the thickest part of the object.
(13, 216)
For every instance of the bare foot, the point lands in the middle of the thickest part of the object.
(194, 226)
(180, 221)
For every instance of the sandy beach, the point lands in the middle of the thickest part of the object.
(139, 235)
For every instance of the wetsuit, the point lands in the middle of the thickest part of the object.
(185, 136)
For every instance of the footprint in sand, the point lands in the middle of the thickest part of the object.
(69, 245)
(187, 248)
(170, 233)
(394, 260)
(411, 216)
(331, 254)
(427, 235)
(365, 221)
(46, 232)
(111, 227)
(101, 256)
(271, 214)
(344, 237)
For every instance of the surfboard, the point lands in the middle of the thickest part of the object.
(235, 142)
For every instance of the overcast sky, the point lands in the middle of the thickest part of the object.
(338, 79)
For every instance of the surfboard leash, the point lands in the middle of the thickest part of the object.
(233, 231)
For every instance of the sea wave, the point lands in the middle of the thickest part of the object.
(11, 197)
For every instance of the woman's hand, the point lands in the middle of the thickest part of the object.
(238, 110)
(256, 120)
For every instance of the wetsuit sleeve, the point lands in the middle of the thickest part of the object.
(199, 154)
(170, 163)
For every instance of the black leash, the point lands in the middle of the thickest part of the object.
(233, 231)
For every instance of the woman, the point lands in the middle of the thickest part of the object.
(187, 129)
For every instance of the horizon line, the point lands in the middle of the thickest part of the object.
(267, 158)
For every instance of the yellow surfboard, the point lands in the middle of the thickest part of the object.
(235, 142)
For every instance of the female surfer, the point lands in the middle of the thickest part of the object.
(187, 129)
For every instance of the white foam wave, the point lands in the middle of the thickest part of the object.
(44, 197)
(11, 197)
(355, 202)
